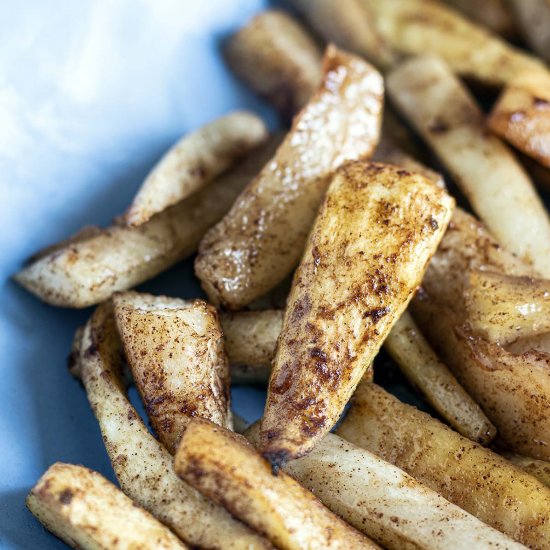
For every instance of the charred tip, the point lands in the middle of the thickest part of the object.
(277, 459)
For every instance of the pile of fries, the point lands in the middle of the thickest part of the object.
(345, 224)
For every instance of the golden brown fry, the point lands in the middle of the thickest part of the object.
(470, 476)
(277, 58)
(143, 466)
(91, 270)
(88, 512)
(383, 501)
(228, 470)
(367, 252)
(537, 468)
(533, 17)
(260, 240)
(413, 27)
(521, 115)
(419, 363)
(502, 308)
(176, 354)
(344, 24)
(498, 189)
(250, 341)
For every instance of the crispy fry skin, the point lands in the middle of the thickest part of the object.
(344, 24)
(367, 252)
(383, 501)
(227, 469)
(419, 363)
(500, 192)
(277, 58)
(513, 388)
(537, 468)
(493, 14)
(86, 511)
(521, 116)
(470, 476)
(250, 341)
(176, 353)
(411, 27)
(533, 17)
(143, 466)
(260, 240)
(91, 270)
(502, 308)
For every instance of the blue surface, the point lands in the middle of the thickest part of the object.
(91, 93)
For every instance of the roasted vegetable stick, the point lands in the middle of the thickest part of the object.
(537, 468)
(143, 466)
(88, 512)
(534, 20)
(498, 189)
(344, 24)
(367, 252)
(414, 27)
(260, 240)
(383, 501)
(176, 354)
(502, 308)
(419, 363)
(118, 258)
(521, 116)
(277, 58)
(250, 341)
(227, 469)
(470, 476)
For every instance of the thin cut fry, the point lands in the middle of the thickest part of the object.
(498, 189)
(88, 512)
(537, 468)
(472, 477)
(227, 469)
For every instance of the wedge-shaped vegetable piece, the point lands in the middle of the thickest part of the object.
(143, 466)
(521, 116)
(420, 364)
(195, 161)
(250, 341)
(470, 476)
(413, 27)
(227, 469)
(537, 468)
(499, 190)
(344, 24)
(86, 511)
(533, 17)
(367, 252)
(176, 354)
(91, 270)
(277, 58)
(493, 14)
(502, 308)
(383, 501)
(261, 239)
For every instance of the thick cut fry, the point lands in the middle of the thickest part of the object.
(176, 354)
(261, 239)
(419, 363)
(88, 512)
(277, 58)
(470, 476)
(250, 341)
(344, 24)
(195, 161)
(143, 466)
(502, 308)
(414, 27)
(227, 469)
(537, 468)
(383, 501)
(91, 270)
(498, 189)
(534, 20)
(367, 252)
(521, 116)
